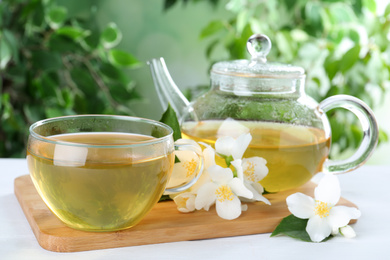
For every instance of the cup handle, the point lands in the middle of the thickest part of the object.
(188, 145)
(369, 127)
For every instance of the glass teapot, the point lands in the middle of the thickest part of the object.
(289, 129)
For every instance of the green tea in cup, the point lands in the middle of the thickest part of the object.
(102, 173)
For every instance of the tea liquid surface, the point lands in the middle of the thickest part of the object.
(293, 153)
(99, 189)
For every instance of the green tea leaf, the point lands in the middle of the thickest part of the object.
(284, 43)
(370, 5)
(5, 53)
(383, 137)
(113, 73)
(165, 198)
(111, 36)
(122, 58)
(387, 10)
(63, 44)
(211, 28)
(349, 58)
(84, 81)
(169, 117)
(169, 4)
(120, 93)
(293, 227)
(13, 43)
(242, 20)
(313, 15)
(56, 16)
(72, 32)
(46, 60)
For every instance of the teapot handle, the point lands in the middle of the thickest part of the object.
(370, 132)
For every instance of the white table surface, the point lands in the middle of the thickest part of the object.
(367, 187)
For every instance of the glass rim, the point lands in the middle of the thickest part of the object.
(156, 140)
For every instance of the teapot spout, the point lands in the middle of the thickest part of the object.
(166, 88)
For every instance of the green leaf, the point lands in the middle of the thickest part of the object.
(211, 47)
(114, 73)
(33, 112)
(387, 11)
(46, 60)
(49, 83)
(56, 16)
(165, 198)
(63, 44)
(169, 118)
(293, 227)
(122, 59)
(111, 36)
(349, 58)
(284, 43)
(169, 4)
(242, 20)
(72, 32)
(331, 67)
(212, 28)
(313, 15)
(370, 5)
(13, 43)
(341, 13)
(383, 137)
(120, 93)
(5, 52)
(92, 40)
(53, 112)
(84, 81)
(38, 15)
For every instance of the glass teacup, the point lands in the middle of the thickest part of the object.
(101, 172)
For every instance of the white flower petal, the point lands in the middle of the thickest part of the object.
(239, 188)
(178, 176)
(347, 231)
(205, 177)
(195, 145)
(328, 189)
(257, 196)
(185, 202)
(301, 205)
(219, 174)
(339, 216)
(185, 155)
(233, 128)
(257, 186)
(191, 203)
(225, 145)
(240, 145)
(206, 196)
(255, 167)
(229, 209)
(318, 228)
(209, 157)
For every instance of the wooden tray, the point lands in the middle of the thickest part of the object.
(164, 223)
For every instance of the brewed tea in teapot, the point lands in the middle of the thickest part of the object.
(289, 129)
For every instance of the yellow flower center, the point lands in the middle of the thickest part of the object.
(250, 172)
(223, 193)
(190, 167)
(322, 209)
(182, 203)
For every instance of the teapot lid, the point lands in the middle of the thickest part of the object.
(258, 46)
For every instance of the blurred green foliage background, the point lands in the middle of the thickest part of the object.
(61, 57)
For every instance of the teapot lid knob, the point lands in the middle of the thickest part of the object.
(258, 46)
